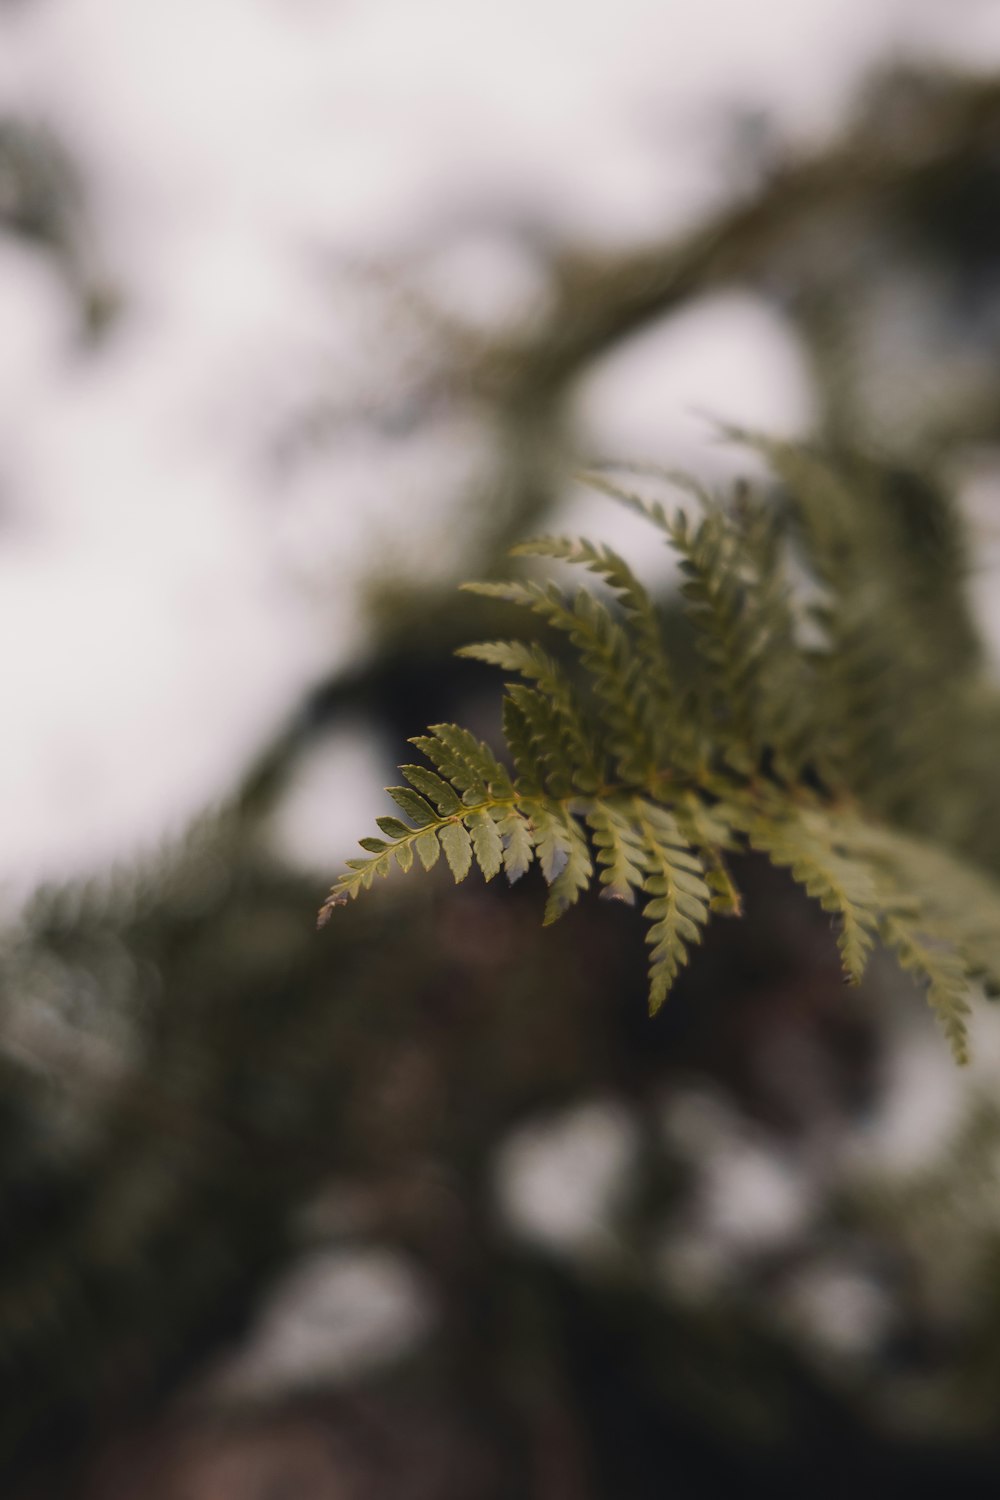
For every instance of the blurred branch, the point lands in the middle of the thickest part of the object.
(917, 128)
(41, 200)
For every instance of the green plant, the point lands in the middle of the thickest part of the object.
(828, 725)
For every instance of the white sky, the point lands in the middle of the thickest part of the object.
(162, 604)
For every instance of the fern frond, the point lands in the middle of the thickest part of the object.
(466, 762)
(952, 896)
(561, 847)
(433, 787)
(552, 714)
(619, 849)
(606, 656)
(544, 726)
(942, 970)
(740, 605)
(472, 804)
(529, 764)
(516, 839)
(896, 623)
(656, 686)
(487, 844)
(806, 842)
(678, 909)
(649, 510)
(796, 748)
(708, 830)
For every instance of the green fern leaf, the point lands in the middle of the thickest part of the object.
(457, 846)
(618, 843)
(529, 767)
(416, 809)
(428, 849)
(656, 686)
(806, 842)
(393, 828)
(552, 713)
(516, 838)
(607, 657)
(573, 864)
(678, 909)
(437, 791)
(487, 844)
(944, 974)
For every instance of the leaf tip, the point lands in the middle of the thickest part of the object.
(326, 910)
